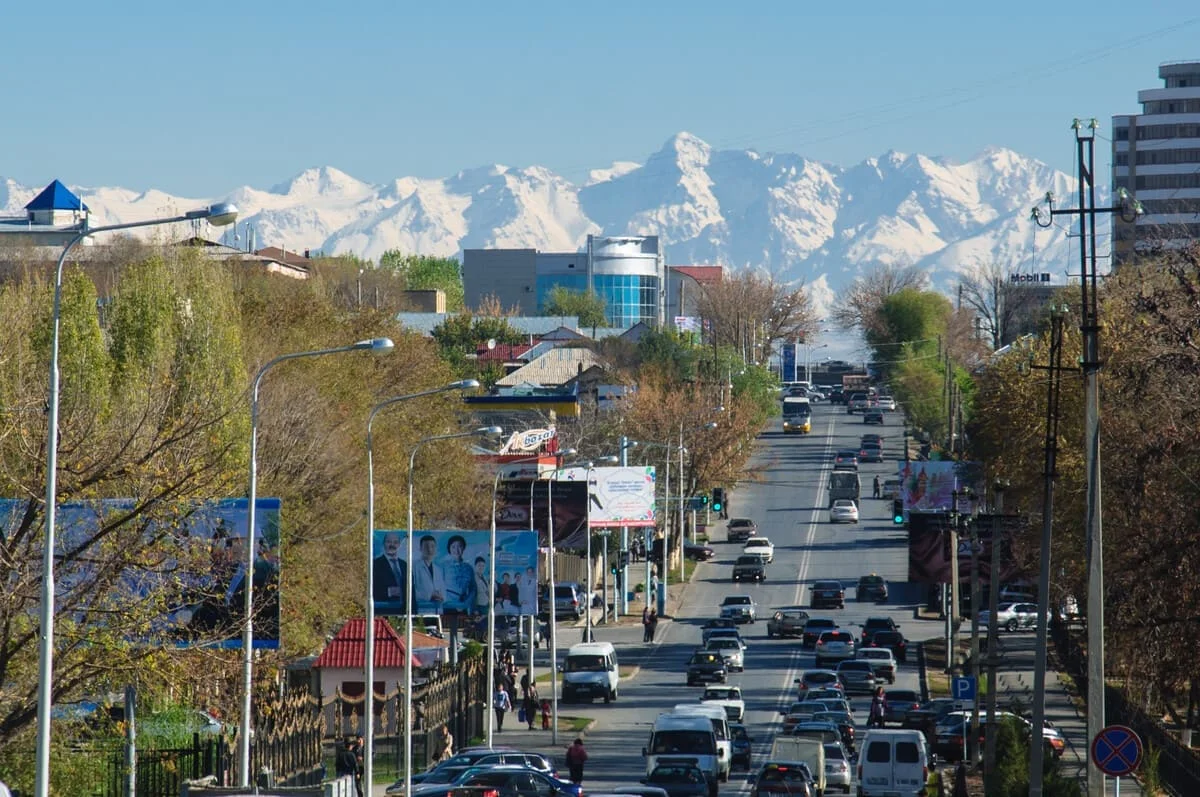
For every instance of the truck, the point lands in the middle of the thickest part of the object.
(844, 484)
(855, 383)
(799, 750)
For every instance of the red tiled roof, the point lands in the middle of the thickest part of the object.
(701, 274)
(347, 649)
(503, 352)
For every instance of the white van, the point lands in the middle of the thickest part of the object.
(686, 736)
(591, 671)
(719, 718)
(800, 750)
(893, 762)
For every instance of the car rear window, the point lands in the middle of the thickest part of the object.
(837, 636)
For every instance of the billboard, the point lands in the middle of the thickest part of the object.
(928, 486)
(517, 499)
(617, 496)
(929, 547)
(452, 571)
(787, 363)
(199, 579)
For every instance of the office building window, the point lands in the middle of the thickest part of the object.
(629, 298)
(547, 282)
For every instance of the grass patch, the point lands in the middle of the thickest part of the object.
(573, 724)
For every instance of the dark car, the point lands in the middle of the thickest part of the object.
(871, 439)
(679, 778)
(871, 588)
(899, 703)
(813, 630)
(870, 453)
(844, 723)
(713, 623)
(740, 529)
(705, 667)
(892, 640)
(847, 457)
(749, 568)
(793, 780)
(828, 593)
(504, 778)
(873, 624)
(697, 552)
(837, 396)
(873, 416)
(449, 770)
(741, 742)
(787, 621)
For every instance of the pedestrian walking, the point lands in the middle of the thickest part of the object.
(960, 780)
(878, 709)
(875, 490)
(576, 758)
(501, 704)
(531, 705)
(346, 763)
(359, 748)
(646, 624)
(653, 624)
(447, 743)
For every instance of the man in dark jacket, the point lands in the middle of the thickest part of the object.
(346, 762)
(576, 758)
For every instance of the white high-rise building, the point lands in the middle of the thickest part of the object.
(1156, 157)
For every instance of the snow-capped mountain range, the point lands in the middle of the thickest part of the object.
(809, 221)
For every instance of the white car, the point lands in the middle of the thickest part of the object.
(731, 650)
(760, 546)
(1011, 616)
(843, 511)
(729, 697)
(837, 767)
(886, 403)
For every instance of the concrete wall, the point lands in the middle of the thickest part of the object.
(510, 274)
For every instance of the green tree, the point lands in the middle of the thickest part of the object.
(424, 273)
(588, 306)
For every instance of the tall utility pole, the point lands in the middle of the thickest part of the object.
(1050, 473)
(1089, 325)
(973, 738)
(989, 756)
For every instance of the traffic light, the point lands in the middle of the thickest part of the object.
(704, 500)
(898, 511)
(718, 499)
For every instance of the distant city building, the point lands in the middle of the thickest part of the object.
(1156, 156)
(52, 218)
(626, 271)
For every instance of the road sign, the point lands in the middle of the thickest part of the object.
(1116, 751)
(963, 688)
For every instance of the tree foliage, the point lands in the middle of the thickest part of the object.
(1151, 360)
(858, 306)
(749, 310)
(1005, 309)
(587, 306)
(425, 272)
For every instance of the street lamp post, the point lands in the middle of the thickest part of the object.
(491, 643)
(409, 597)
(369, 652)
(377, 345)
(218, 215)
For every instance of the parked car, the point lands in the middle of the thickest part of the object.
(448, 771)
(570, 599)
(871, 588)
(740, 608)
(828, 593)
(843, 511)
(787, 621)
(882, 661)
(893, 641)
(749, 568)
(833, 646)
(857, 675)
(504, 778)
(705, 666)
(740, 529)
(1011, 616)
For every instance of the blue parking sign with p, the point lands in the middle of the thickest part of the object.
(963, 687)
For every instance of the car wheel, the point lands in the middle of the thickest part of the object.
(1011, 625)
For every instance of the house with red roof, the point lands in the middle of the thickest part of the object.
(340, 664)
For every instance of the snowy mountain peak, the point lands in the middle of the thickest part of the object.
(805, 220)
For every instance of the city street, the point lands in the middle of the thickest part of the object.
(789, 503)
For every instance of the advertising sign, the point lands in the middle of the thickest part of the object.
(787, 363)
(927, 486)
(929, 547)
(529, 440)
(199, 579)
(452, 570)
(687, 323)
(516, 499)
(618, 496)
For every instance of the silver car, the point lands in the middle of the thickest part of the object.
(857, 675)
(837, 768)
(731, 650)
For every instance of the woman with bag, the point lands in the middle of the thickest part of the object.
(502, 705)
(529, 705)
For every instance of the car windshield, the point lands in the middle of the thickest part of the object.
(740, 521)
(827, 585)
(585, 664)
(861, 666)
(691, 742)
(676, 774)
(836, 636)
(870, 580)
(903, 696)
(820, 677)
(721, 694)
(874, 653)
(723, 643)
(737, 600)
(705, 658)
(758, 542)
(818, 624)
(835, 751)
(748, 560)
(784, 775)
(738, 732)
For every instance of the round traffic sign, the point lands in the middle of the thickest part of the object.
(1117, 751)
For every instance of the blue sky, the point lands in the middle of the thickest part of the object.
(169, 96)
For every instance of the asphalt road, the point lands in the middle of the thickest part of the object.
(788, 501)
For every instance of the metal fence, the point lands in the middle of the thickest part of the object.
(1178, 765)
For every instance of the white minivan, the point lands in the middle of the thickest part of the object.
(892, 762)
(719, 719)
(688, 737)
(591, 671)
